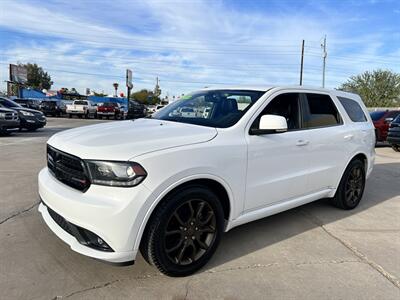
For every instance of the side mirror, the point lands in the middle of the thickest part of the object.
(270, 124)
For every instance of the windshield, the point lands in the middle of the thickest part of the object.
(376, 115)
(212, 108)
(8, 103)
(80, 102)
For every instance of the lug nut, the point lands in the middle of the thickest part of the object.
(196, 228)
(185, 229)
(193, 237)
(191, 223)
(185, 237)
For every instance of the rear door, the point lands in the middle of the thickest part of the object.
(327, 139)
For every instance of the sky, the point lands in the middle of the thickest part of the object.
(190, 44)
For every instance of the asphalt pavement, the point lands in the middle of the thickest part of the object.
(315, 251)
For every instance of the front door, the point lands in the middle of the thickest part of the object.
(277, 163)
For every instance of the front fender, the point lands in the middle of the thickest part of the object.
(158, 194)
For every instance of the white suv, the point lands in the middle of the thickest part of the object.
(170, 185)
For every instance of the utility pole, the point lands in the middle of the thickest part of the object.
(324, 54)
(302, 63)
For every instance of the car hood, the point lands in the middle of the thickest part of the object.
(26, 109)
(124, 140)
(2, 109)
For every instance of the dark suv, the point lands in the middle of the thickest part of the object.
(8, 120)
(30, 119)
(55, 108)
(381, 121)
(393, 137)
(28, 103)
(136, 110)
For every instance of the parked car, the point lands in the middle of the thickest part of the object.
(110, 109)
(28, 103)
(151, 109)
(55, 108)
(8, 120)
(187, 112)
(30, 119)
(169, 186)
(381, 121)
(393, 137)
(158, 107)
(136, 110)
(81, 108)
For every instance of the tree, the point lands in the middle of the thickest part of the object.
(37, 77)
(145, 96)
(379, 88)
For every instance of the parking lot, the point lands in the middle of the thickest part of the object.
(312, 252)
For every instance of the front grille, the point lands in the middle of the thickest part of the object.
(67, 168)
(11, 116)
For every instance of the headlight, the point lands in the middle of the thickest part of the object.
(26, 113)
(2, 115)
(123, 174)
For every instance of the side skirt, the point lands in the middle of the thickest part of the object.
(275, 208)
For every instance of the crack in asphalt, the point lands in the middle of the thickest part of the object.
(187, 289)
(89, 289)
(19, 213)
(238, 268)
(391, 278)
(276, 264)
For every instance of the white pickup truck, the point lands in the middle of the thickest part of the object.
(81, 108)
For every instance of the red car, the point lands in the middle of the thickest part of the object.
(110, 109)
(382, 121)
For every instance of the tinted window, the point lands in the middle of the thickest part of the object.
(212, 108)
(397, 120)
(376, 115)
(78, 102)
(353, 109)
(8, 103)
(285, 105)
(320, 111)
(392, 114)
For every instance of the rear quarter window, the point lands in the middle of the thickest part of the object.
(353, 109)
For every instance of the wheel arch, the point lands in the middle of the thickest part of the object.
(214, 183)
(358, 155)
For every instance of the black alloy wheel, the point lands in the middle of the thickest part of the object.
(190, 231)
(351, 187)
(184, 231)
(354, 185)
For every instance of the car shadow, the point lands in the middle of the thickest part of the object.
(251, 237)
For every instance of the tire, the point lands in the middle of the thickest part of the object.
(396, 148)
(202, 233)
(351, 186)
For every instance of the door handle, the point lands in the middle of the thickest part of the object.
(302, 143)
(348, 137)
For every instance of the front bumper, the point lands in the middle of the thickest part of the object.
(9, 124)
(109, 212)
(33, 122)
(105, 113)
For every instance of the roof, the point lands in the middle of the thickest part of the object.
(269, 87)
